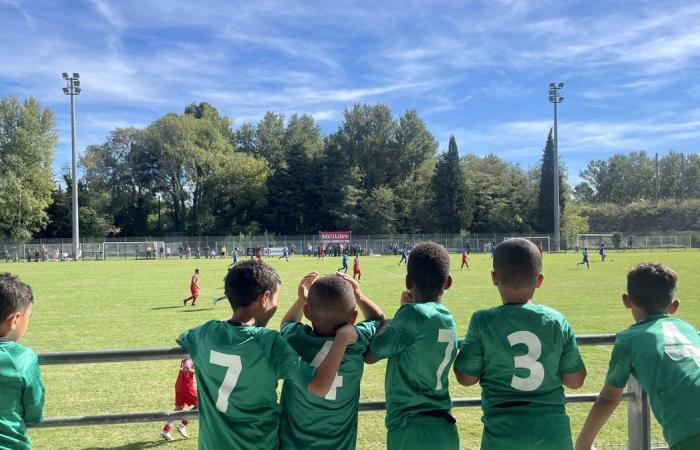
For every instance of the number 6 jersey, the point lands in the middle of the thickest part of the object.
(519, 352)
(237, 368)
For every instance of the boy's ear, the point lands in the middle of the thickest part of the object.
(673, 307)
(353, 318)
(448, 283)
(540, 279)
(626, 301)
(306, 311)
(409, 282)
(494, 278)
(264, 298)
(12, 320)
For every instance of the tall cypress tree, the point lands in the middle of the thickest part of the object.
(545, 198)
(449, 186)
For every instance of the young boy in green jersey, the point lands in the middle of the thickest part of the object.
(663, 354)
(521, 354)
(420, 344)
(239, 361)
(329, 423)
(21, 390)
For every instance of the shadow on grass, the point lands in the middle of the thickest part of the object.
(196, 309)
(165, 307)
(132, 446)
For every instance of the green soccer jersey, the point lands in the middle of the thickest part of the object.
(420, 343)
(312, 423)
(21, 395)
(519, 352)
(663, 354)
(237, 368)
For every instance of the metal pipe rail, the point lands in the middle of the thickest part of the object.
(638, 413)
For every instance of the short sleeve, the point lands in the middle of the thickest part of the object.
(33, 394)
(289, 328)
(185, 341)
(366, 331)
(287, 363)
(396, 335)
(570, 361)
(620, 365)
(470, 359)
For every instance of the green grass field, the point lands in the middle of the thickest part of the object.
(137, 304)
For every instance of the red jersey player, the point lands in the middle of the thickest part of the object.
(539, 247)
(194, 289)
(465, 259)
(356, 268)
(185, 395)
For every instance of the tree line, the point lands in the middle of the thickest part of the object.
(195, 173)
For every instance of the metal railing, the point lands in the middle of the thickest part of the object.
(638, 413)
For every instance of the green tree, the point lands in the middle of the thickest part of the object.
(379, 211)
(453, 208)
(269, 140)
(27, 141)
(545, 197)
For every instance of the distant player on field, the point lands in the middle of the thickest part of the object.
(239, 362)
(194, 289)
(521, 354)
(601, 252)
(540, 248)
(285, 253)
(585, 258)
(663, 354)
(404, 256)
(465, 259)
(356, 268)
(307, 421)
(345, 263)
(185, 395)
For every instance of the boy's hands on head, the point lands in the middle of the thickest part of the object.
(406, 297)
(305, 285)
(347, 334)
(369, 309)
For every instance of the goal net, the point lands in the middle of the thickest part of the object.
(544, 240)
(137, 250)
(595, 240)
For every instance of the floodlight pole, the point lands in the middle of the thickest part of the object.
(73, 89)
(555, 99)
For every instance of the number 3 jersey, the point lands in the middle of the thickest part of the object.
(420, 343)
(519, 352)
(663, 354)
(237, 368)
(314, 423)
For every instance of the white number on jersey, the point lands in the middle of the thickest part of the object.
(528, 361)
(318, 360)
(445, 335)
(677, 346)
(233, 363)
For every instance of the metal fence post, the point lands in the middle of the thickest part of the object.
(638, 418)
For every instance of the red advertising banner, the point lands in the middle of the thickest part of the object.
(335, 236)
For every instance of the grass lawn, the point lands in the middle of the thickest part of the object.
(137, 304)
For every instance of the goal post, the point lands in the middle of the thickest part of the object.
(595, 240)
(136, 250)
(545, 240)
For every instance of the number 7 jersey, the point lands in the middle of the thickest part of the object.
(519, 352)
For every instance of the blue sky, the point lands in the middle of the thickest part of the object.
(475, 69)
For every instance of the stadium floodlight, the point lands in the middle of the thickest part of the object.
(555, 99)
(72, 88)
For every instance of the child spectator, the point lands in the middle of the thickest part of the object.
(185, 395)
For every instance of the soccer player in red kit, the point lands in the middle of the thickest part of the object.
(465, 259)
(356, 268)
(185, 395)
(194, 289)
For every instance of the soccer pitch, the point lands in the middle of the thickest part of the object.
(137, 304)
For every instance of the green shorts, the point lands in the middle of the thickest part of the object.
(692, 443)
(526, 428)
(424, 432)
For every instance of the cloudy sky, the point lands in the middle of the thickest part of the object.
(475, 69)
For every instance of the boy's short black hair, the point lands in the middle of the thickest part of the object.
(15, 296)
(247, 280)
(517, 262)
(428, 267)
(652, 286)
(331, 301)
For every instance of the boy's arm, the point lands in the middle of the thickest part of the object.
(394, 336)
(469, 363)
(327, 371)
(369, 309)
(296, 311)
(572, 369)
(605, 404)
(465, 379)
(574, 380)
(33, 396)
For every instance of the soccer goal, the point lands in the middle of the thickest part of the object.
(595, 239)
(137, 250)
(543, 239)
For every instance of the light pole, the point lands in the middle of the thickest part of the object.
(556, 99)
(73, 88)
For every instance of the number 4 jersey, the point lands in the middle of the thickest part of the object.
(313, 423)
(519, 352)
(237, 368)
(663, 354)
